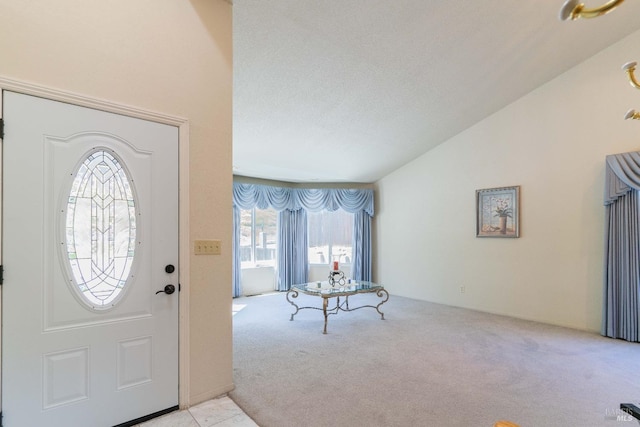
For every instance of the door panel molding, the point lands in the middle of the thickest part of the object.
(183, 201)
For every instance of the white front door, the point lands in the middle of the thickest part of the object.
(90, 241)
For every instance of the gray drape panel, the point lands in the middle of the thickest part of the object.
(235, 253)
(356, 201)
(293, 258)
(361, 267)
(621, 316)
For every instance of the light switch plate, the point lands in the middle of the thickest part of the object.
(207, 247)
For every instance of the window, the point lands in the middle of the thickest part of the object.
(258, 234)
(330, 237)
(100, 229)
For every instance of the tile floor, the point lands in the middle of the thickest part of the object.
(220, 412)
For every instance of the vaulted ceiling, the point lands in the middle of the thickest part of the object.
(348, 91)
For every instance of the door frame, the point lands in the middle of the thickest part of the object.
(183, 203)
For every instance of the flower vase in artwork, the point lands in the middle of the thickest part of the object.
(503, 224)
(503, 211)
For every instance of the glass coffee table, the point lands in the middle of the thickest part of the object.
(325, 291)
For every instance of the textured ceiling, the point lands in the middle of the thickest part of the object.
(348, 91)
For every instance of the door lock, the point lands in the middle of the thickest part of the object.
(169, 289)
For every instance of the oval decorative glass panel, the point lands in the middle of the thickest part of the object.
(101, 229)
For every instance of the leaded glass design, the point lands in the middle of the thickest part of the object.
(101, 229)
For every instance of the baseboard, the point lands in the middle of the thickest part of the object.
(211, 394)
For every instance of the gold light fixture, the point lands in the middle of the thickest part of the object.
(632, 114)
(630, 68)
(572, 9)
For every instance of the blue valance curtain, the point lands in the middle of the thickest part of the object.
(621, 315)
(293, 204)
(248, 196)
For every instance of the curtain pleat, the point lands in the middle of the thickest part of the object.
(361, 266)
(235, 253)
(622, 269)
(248, 196)
(621, 315)
(293, 262)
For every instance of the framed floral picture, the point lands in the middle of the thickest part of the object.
(498, 212)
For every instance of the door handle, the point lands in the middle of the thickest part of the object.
(169, 289)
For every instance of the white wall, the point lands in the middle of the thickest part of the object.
(260, 280)
(257, 280)
(552, 143)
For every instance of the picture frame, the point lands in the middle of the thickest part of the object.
(498, 212)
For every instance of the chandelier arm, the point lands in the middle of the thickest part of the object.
(632, 114)
(630, 68)
(573, 10)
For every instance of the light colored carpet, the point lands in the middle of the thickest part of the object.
(425, 365)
